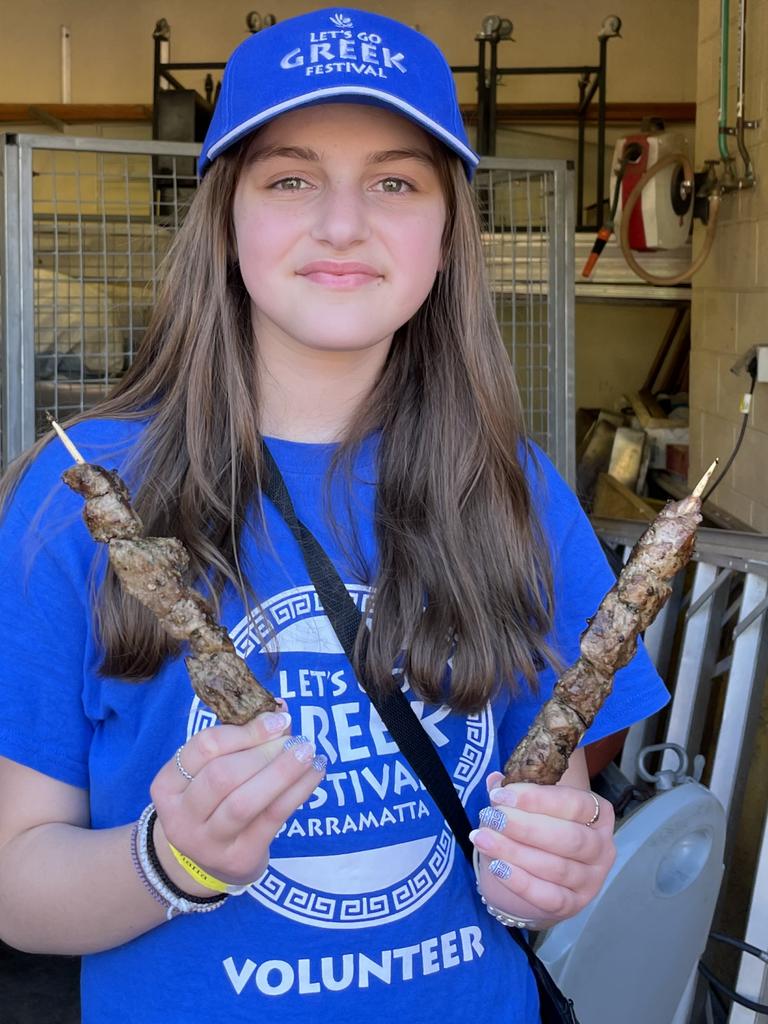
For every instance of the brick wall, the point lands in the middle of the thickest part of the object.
(730, 294)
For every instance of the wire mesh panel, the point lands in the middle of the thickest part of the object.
(89, 221)
(527, 235)
(102, 222)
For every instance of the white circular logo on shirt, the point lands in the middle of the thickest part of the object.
(369, 847)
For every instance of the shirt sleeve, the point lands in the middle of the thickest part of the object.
(581, 578)
(43, 623)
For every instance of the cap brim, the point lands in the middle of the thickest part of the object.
(343, 92)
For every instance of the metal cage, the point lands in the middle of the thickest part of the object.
(87, 222)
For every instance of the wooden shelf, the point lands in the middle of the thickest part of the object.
(74, 113)
(506, 113)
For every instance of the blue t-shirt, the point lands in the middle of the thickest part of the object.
(368, 910)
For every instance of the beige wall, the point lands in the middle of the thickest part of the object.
(112, 44)
(615, 346)
(730, 304)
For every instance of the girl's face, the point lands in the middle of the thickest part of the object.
(338, 217)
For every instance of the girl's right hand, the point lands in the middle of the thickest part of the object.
(246, 782)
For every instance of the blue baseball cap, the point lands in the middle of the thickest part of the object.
(331, 56)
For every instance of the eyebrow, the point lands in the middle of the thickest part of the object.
(304, 153)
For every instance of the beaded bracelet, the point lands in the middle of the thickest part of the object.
(507, 919)
(160, 871)
(140, 871)
(154, 878)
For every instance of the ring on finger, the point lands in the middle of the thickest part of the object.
(596, 816)
(181, 767)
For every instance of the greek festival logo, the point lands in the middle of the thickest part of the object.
(369, 847)
(342, 50)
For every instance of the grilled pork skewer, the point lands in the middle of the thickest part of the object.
(153, 570)
(609, 642)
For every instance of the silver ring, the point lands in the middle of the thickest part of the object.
(181, 767)
(595, 817)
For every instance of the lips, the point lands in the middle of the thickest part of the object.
(337, 274)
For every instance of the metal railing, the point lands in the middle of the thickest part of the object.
(710, 643)
(86, 223)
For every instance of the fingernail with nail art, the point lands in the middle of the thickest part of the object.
(319, 763)
(492, 817)
(500, 869)
(300, 747)
(503, 796)
(276, 721)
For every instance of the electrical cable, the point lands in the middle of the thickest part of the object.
(735, 997)
(739, 439)
(714, 199)
(745, 947)
(718, 987)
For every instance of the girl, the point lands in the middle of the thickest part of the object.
(324, 294)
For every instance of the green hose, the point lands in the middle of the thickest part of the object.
(722, 122)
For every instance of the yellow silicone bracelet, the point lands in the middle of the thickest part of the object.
(196, 872)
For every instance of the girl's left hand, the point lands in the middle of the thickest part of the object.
(540, 859)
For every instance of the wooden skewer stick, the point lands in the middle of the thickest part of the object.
(701, 486)
(65, 440)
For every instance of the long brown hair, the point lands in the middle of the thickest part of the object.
(463, 566)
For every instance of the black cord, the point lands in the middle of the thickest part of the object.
(616, 192)
(715, 982)
(718, 987)
(745, 947)
(734, 453)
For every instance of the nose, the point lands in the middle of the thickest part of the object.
(341, 218)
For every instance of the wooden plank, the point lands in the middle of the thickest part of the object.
(506, 113)
(74, 113)
(595, 458)
(616, 501)
(651, 414)
(564, 113)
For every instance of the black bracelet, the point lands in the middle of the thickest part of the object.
(167, 882)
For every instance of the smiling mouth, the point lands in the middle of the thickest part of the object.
(328, 280)
(339, 275)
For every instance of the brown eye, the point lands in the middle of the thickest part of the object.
(289, 184)
(394, 186)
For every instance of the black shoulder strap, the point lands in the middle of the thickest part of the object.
(394, 708)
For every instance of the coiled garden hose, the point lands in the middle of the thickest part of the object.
(714, 198)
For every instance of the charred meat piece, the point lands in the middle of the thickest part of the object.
(608, 643)
(154, 570)
(108, 511)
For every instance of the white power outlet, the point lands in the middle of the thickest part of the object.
(762, 364)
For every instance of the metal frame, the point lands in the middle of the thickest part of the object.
(18, 285)
(729, 589)
(589, 87)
